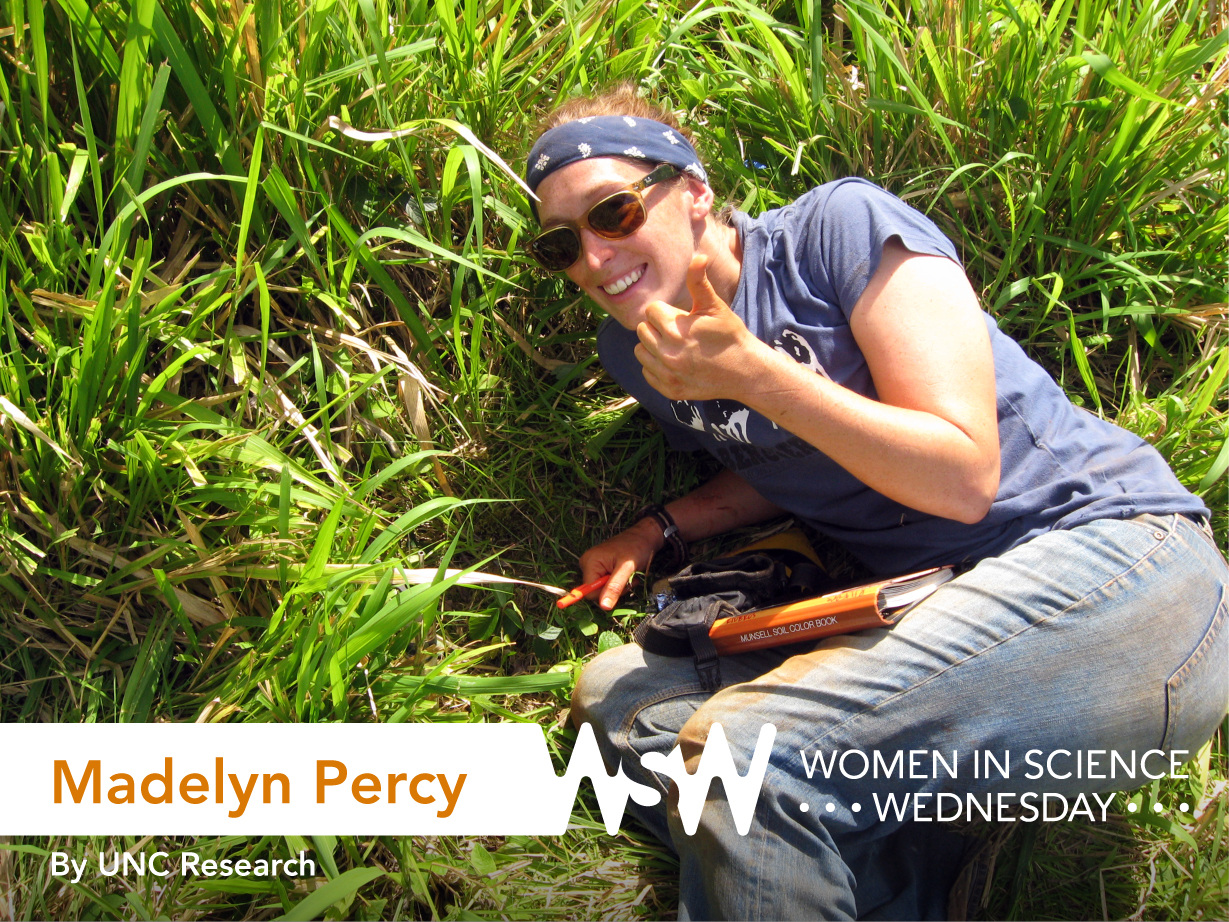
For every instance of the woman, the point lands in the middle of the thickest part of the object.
(833, 356)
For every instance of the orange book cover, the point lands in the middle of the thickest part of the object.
(843, 612)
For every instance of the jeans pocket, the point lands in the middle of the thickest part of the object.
(1197, 694)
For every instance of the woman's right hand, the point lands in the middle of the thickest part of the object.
(621, 557)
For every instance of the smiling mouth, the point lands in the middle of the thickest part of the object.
(624, 283)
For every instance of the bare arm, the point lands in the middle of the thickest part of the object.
(931, 440)
(724, 503)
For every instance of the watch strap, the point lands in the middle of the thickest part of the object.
(669, 531)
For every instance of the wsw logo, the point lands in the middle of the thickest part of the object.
(742, 791)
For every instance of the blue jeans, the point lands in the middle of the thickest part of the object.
(1106, 636)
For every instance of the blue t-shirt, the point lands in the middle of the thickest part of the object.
(804, 267)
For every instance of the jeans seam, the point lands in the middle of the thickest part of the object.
(934, 675)
(677, 691)
(1204, 527)
(1178, 680)
(1201, 649)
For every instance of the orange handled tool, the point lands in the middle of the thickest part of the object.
(581, 591)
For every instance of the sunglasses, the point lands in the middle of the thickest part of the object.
(613, 218)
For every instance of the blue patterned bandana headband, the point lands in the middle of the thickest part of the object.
(610, 136)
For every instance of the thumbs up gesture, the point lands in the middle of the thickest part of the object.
(702, 354)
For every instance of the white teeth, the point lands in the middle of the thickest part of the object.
(622, 284)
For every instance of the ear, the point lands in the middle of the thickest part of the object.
(701, 198)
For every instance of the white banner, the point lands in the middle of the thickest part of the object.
(278, 779)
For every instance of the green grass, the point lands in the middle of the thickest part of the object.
(235, 338)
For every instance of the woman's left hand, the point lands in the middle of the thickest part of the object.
(701, 354)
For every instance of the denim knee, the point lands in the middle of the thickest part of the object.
(594, 700)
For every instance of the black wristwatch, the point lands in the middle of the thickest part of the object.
(669, 531)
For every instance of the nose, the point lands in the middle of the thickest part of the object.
(595, 251)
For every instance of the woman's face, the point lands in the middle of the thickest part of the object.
(652, 263)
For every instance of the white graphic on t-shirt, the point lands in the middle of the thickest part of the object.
(792, 344)
(733, 418)
(688, 414)
(727, 419)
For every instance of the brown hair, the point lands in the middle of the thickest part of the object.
(620, 99)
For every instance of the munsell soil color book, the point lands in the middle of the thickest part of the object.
(877, 604)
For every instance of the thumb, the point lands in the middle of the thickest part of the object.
(704, 300)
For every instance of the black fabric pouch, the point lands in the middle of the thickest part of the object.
(713, 589)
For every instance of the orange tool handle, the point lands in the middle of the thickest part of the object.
(581, 591)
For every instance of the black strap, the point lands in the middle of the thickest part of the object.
(708, 667)
(669, 531)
